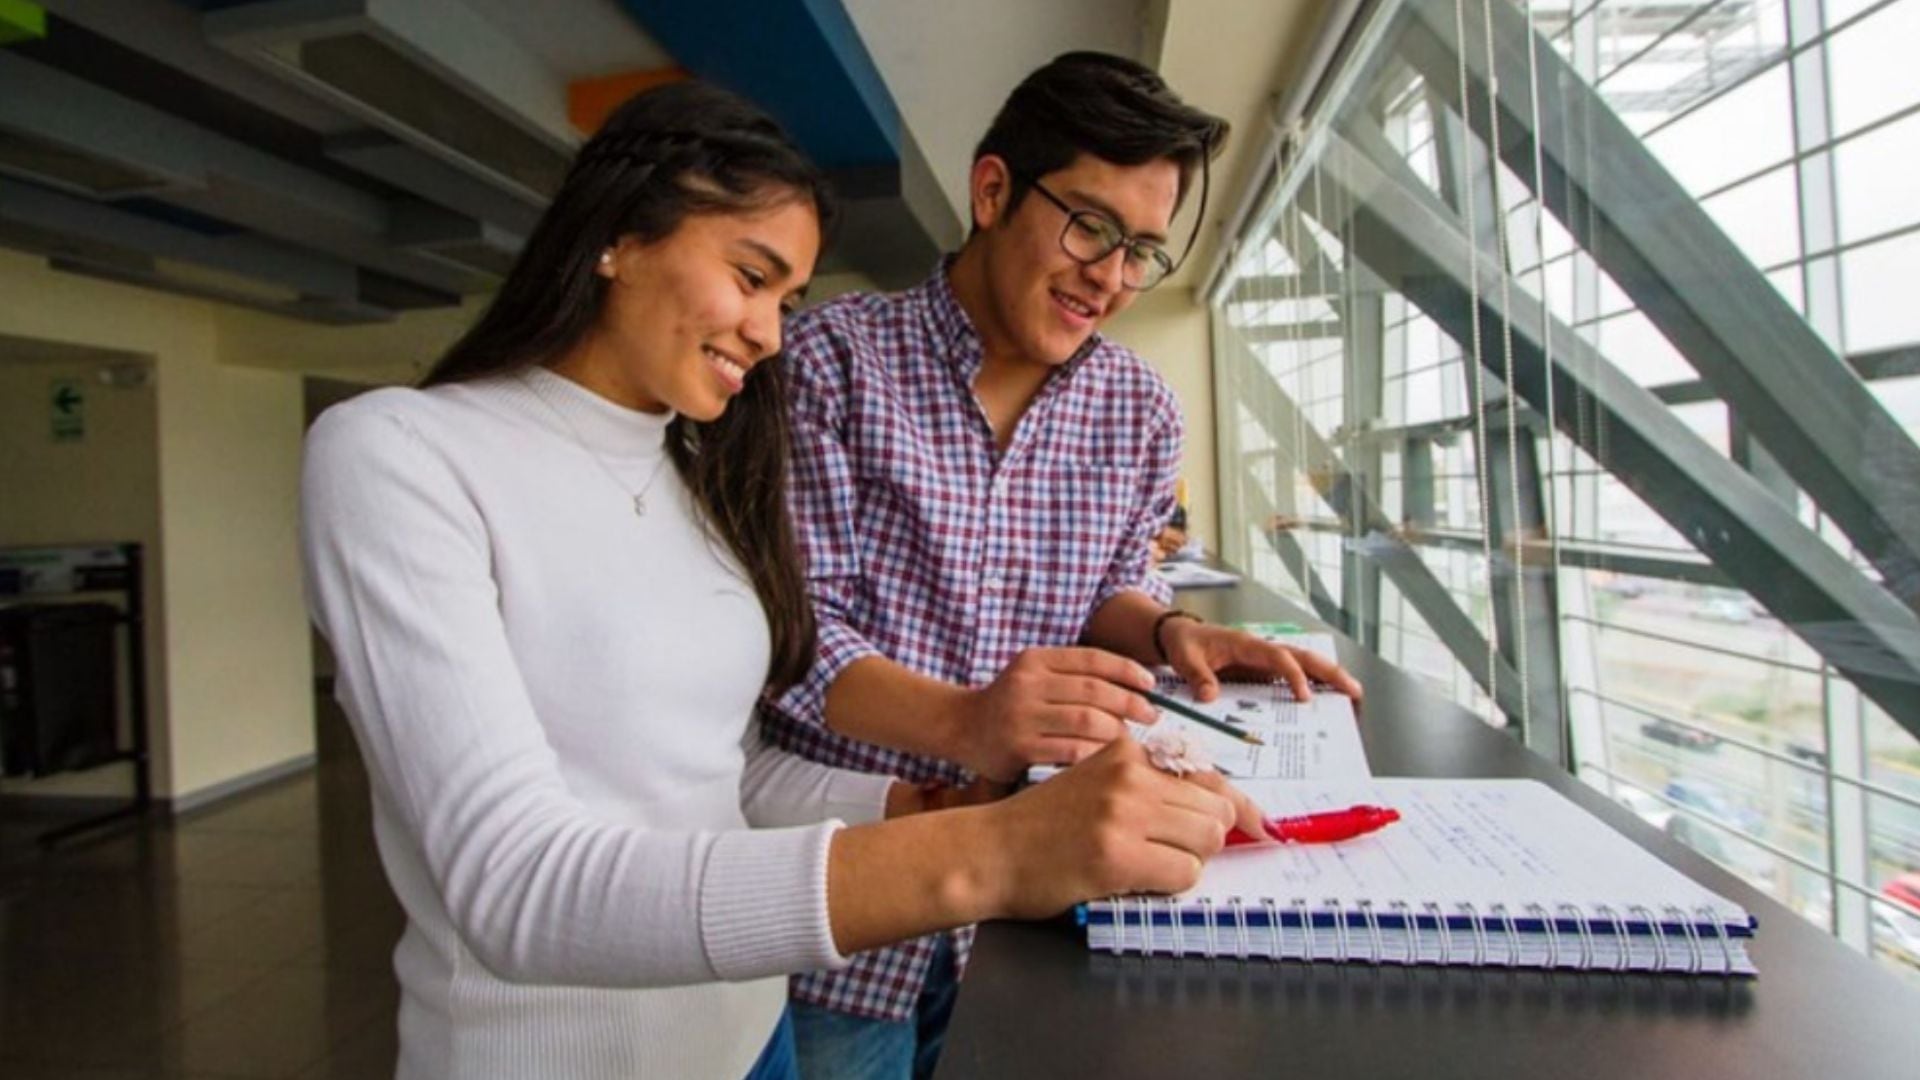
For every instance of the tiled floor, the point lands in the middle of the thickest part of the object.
(250, 940)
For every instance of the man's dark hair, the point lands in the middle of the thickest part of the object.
(1095, 103)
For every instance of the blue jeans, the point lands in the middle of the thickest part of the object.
(777, 1060)
(839, 1046)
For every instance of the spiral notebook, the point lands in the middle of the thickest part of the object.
(1493, 873)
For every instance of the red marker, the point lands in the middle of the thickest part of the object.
(1326, 828)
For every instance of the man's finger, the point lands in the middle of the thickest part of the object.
(1189, 660)
(1082, 660)
(1328, 671)
(1101, 694)
(1283, 662)
(1080, 722)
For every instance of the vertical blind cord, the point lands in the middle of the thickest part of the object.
(1296, 302)
(1550, 481)
(1464, 174)
(1503, 265)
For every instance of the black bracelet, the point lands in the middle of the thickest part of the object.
(1171, 613)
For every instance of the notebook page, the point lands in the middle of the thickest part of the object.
(1310, 640)
(1314, 740)
(1193, 575)
(1459, 842)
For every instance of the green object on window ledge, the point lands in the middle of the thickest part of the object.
(1275, 628)
(21, 21)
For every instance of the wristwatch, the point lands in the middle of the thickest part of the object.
(1171, 613)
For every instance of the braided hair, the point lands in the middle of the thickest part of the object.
(677, 150)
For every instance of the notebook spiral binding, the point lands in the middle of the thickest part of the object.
(1294, 929)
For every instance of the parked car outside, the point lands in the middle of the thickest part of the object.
(1812, 755)
(1905, 888)
(1686, 738)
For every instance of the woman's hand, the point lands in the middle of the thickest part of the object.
(904, 798)
(1111, 825)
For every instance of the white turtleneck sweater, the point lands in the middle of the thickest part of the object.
(604, 871)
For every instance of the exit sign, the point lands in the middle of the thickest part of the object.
(68, 403)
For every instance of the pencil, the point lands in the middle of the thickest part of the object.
(1199, 717)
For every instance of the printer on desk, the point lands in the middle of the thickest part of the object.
(59, 655)
(58, 687)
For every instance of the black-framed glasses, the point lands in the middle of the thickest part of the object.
(1091, 236)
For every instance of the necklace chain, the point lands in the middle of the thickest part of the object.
(639, 497)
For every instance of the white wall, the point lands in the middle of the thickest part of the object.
(1171, 330)
(241, 673)
(235, 697)
(949, 65)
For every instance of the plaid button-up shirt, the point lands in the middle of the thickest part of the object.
(927, 545)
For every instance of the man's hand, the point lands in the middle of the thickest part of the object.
(1051, 706)
(1202, 652)
(1167, 544)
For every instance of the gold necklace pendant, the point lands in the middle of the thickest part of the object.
(639, 497)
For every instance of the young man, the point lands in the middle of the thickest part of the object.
(977, 480)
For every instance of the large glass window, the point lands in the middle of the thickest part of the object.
(1605, 312)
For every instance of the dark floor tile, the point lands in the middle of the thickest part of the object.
(106, 1013)
(281, 1025)
(251, 939)
(357, 943)
(156, 852)
(276, 861)
(366, 1054)
(95, 916)
(206, 851)
(269, 932)
(291, 806)
(28, 1071)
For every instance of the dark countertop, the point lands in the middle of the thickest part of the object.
(1037, 1003)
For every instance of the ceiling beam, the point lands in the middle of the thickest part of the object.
(194, 169)
(431, 73)
(803, 61)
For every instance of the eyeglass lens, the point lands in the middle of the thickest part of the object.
(1092, 236)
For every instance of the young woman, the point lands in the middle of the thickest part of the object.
(557, 578)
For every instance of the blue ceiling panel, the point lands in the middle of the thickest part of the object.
(801, 60)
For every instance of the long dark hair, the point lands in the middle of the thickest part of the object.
(681, 149)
